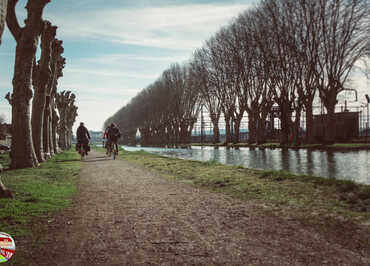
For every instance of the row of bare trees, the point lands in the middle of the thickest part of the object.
(281, 52)
(164, 112)
(34, 135)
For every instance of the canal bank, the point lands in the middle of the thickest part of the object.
(345, 165)
(306, 194)
(273, 145)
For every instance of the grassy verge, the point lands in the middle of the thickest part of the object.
(38, 194)
(350, 145)
(274, 188)
(273, 145)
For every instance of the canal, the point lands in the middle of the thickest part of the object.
(351, 165)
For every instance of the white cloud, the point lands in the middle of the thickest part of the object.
(107, 73)
(120, 59)
(174, 27)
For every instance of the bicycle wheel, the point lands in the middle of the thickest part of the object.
(109, 150)
(114, 152)
(82, 153)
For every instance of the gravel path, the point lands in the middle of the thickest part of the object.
(125, 215)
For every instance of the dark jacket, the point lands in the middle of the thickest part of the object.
(113, 133)
(82, 134)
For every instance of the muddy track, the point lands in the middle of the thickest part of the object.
(125, 215)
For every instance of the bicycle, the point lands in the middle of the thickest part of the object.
(82, 151)
(110, 149)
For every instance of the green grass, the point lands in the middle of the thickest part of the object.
(350, 145)
(38, 192)
(271, 145)
(206, 144)
(274, 188)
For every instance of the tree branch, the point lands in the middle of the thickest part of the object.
(11, 20)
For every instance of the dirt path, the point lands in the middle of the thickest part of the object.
(129, 216)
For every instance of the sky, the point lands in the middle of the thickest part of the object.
(115, 48)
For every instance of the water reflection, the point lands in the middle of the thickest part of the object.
(353, 165)
(332, 169)
(309, 163)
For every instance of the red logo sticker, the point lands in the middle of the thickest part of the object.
(7, 247)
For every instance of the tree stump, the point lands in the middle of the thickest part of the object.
(4, 192)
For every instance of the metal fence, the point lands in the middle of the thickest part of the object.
(203, 128)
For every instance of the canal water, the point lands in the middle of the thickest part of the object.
(352, 165)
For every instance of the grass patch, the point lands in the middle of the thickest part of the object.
(350, 145)
(276, 188)
(271, 145)
(38, 193)
(4, 160)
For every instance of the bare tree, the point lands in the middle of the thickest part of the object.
(218, 68)
(307, 25)
(208, 96)
(22, 151)
(71, 118)
(280, 63)
(190, 104)
(234, 56)
(344, 40)
(41, 79)
(64, 102)
(50, 116)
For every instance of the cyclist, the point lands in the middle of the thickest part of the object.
(112, 134)
(83, 137)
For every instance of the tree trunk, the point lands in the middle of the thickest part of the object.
(309, 124)
(62, 137)
(227, 129)
(46, 131)
(285, 123)
(216, 131)
(62, 128)
(177, 134)
(236, 136)
(330, 124)
(53, 132)
(22, 150)
(37, 121)
(251, 128)
(69, 139)
(162, 135)
(183, 133)
(50, 134)
(261, 126)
